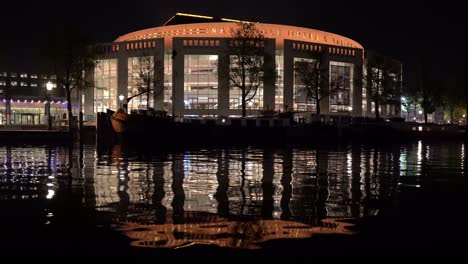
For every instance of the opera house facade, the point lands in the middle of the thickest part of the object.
(191, 50)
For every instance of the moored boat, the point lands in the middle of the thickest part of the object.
(119, 121)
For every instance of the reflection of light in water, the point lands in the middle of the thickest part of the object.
(224, 233)
(419, 152)
(463, 156)
(50, 194)
(404, 163)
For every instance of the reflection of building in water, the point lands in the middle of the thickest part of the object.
(31, 173)
(245, 184)
(224, 233)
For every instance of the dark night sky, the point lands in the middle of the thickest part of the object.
(402, 29)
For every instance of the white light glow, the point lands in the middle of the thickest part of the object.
(50, 194)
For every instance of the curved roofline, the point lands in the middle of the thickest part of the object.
(222, 30)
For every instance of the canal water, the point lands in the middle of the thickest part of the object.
(83, 200)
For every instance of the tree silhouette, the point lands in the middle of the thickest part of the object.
(72, 52)
(430, 91)
(246, 71)
(382, 82)
(312, 74)
(145, 79)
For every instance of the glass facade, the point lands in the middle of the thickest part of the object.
(301, 99)
(33, 113)
(279, 85)
(168, 82)
(137, 66)
(341, 86)
(105, 85)
(364, 91)
(201, 81)
(255, 95)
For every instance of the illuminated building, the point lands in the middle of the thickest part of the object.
(191, 48)
(24, 97)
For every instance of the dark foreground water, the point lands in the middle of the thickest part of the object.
(351, 200)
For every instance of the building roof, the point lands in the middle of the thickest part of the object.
(184, 18)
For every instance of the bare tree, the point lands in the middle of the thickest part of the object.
(430, 91)
(246, 71)
(145, 79)
(72, 52)
(381, 83)
(313, 74)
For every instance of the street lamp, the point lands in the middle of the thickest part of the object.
(49, 87)
(121, 97)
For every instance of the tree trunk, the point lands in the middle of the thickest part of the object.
(69, 109)
(147, 99)
(244, 111)
(451, 115)
(425, 118)
(318, 107)
(377, 114)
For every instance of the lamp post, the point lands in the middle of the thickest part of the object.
(420, 114)
(121, 97)
(49, 87)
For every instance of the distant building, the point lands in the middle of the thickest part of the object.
(24, 97)
(194, 87)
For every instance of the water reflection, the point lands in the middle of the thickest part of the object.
(210, 196)
(236, 197)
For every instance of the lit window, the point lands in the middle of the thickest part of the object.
(2, 83)
(24, 75)
(33, 76)
(13, 75)
(44, 77)
(13, 83)
(23, 84)
(33, 84)
(3, 74)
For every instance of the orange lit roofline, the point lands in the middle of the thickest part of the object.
(193, 15)
(186, 15)
(207, 17)
(236, 21)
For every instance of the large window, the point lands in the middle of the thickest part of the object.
(341, 86)
(105, 85)
(279, 85)
(138, 75)
(254, 90)
(301, 99)
(168, 82)
(201, 81)
(364, 91)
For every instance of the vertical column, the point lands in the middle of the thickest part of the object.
(89, 95)
(122, 75)
(325, 102)
(269, 83)
(47, 114)
(8, 111)
(159, 75)
(178, 77)
(223, 81)
(357, 89)
(288, 77)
